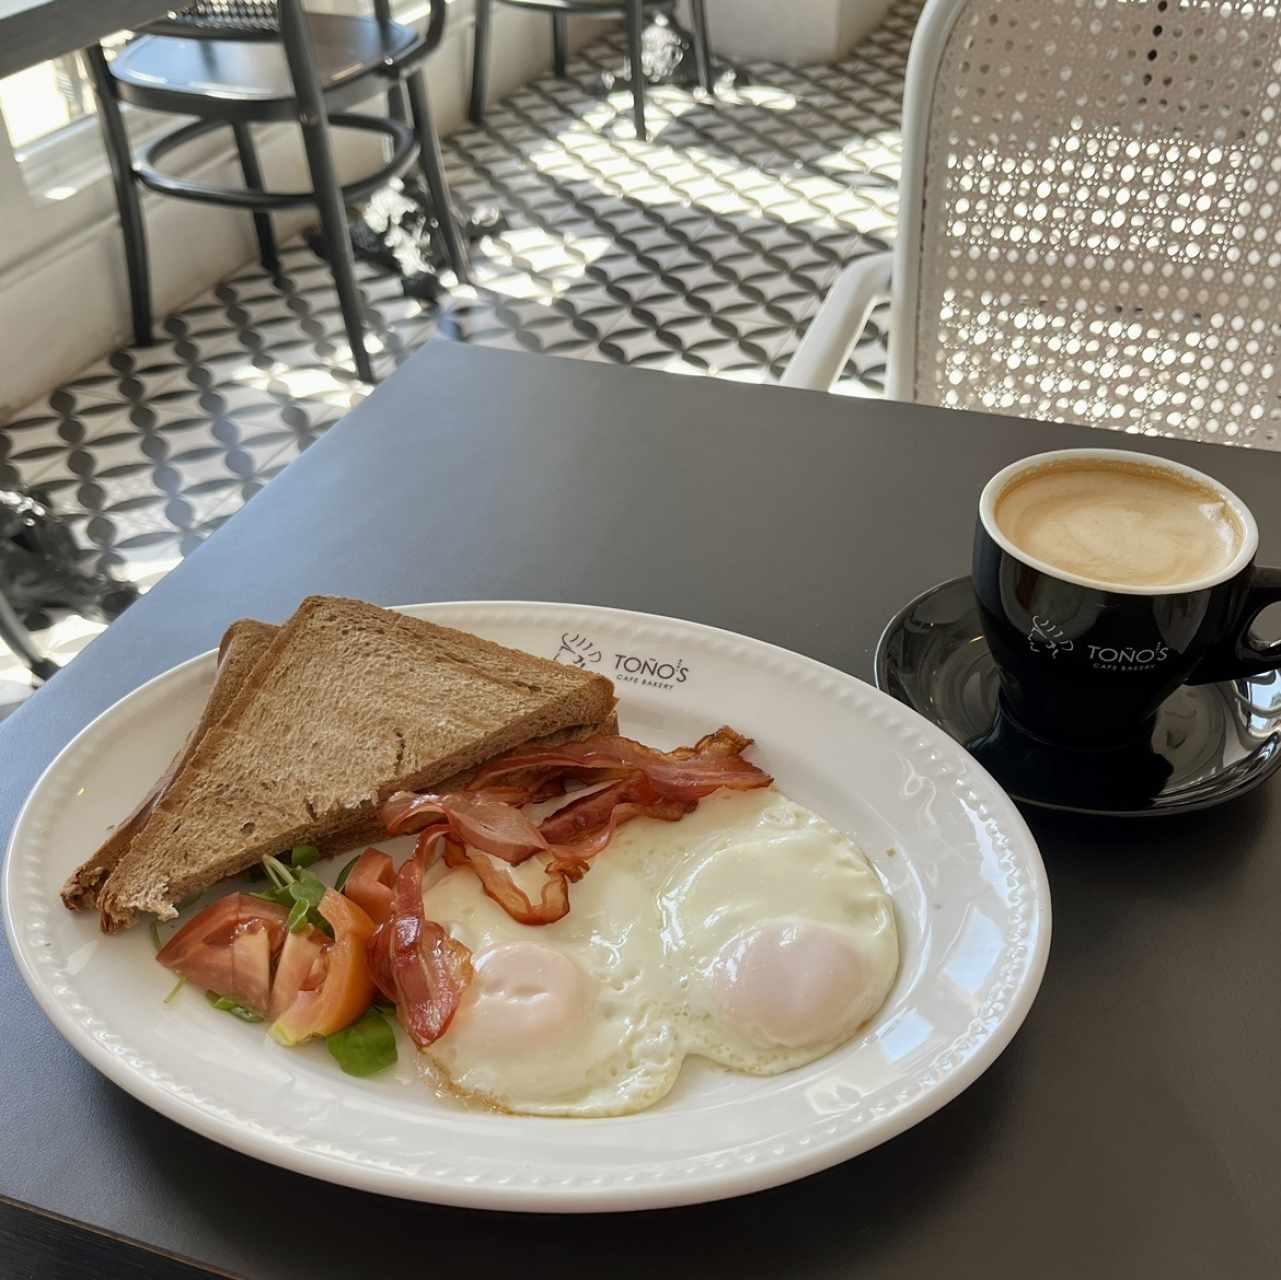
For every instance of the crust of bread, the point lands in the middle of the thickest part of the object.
(348, 704)
(243, 643)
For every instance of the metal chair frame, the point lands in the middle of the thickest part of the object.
(632, 12)
(314, 107)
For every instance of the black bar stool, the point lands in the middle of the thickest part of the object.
(633, 14)
(233, 62)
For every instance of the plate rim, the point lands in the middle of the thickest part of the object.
(704, 1186)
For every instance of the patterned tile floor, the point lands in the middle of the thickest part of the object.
(702, 251)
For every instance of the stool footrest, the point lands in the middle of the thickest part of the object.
(404, 152)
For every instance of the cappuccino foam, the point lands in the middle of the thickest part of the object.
(1120, 523)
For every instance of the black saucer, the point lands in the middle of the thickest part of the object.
(1210, 743)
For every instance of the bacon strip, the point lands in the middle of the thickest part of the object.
(531, 792)
(475, 817)
(425, 849)
(583, 817)
(688, 773)
(581, 830)
(576, 832)
(405, 812)
(638, 782)
(417, 964)
(498, 884)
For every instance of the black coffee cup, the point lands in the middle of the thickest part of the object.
(1087, 665)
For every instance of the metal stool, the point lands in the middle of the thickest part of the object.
(633, 14)
(233, 62)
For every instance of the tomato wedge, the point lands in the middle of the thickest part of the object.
(228, 948)
(338, 987)
(298, 957)
(369, 884)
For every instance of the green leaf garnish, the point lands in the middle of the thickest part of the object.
(310, 890)
(155, 933)
(279, 874)
(292, 886)
(307, 888)
(365, 1047)
(228, 1005)
(297, 916)
(177, 986)
(304, 855)
(345, 872)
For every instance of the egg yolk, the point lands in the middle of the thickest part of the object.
(789, 983)
(522, 996)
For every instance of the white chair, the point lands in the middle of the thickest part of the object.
(1089, 219)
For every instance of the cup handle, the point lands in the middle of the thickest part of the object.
(1240, 654)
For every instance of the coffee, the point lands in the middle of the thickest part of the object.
(1119, 523)
(1105, 580)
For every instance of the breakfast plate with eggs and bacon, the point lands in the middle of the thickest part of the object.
(526, 906)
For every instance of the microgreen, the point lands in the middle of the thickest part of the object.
(365, 1047)
(279, 874)
(307, 888)
(308, 891)
(303, 855)
(177, 986)
(344, 873)
(297, 916)
(227, 1005)
(298, 889)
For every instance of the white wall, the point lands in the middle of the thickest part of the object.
(64, 297)
(794, 31)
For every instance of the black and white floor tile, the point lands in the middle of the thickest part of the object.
(704, 250)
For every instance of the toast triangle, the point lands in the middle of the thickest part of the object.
(348, 704)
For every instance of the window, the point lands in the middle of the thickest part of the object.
(49, 115)
(43, 100)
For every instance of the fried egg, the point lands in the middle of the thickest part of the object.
(751, 933)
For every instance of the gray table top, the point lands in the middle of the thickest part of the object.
(33, 30)
(1132, 1128)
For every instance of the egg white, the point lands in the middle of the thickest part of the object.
(751, 932)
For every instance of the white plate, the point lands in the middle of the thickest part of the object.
(968, 885)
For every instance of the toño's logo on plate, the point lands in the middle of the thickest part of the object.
(578, 650)
(658, 673)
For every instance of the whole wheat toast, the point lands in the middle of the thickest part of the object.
(348, 704)
(243, 643)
